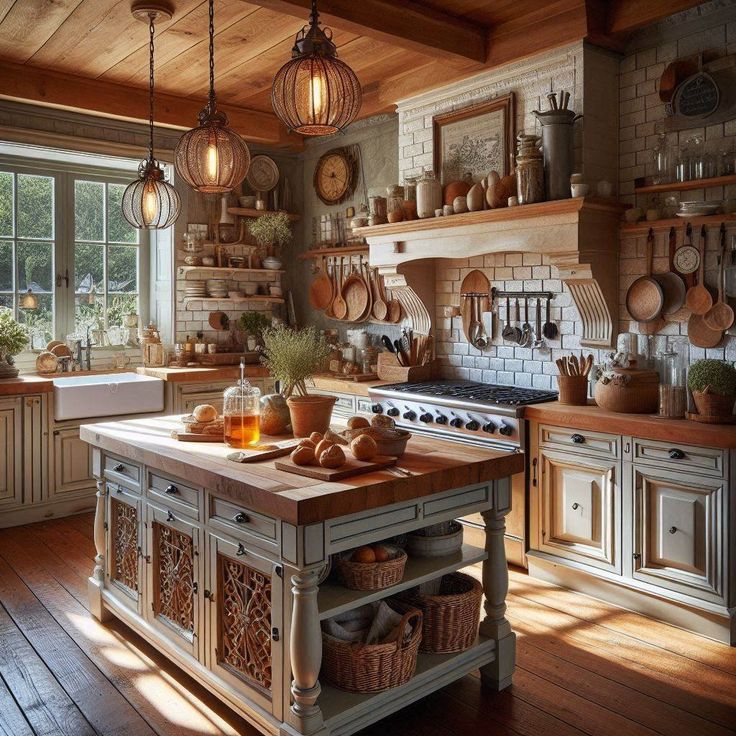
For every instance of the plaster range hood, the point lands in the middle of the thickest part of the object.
(579, 236)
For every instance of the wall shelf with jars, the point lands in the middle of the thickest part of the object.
(640, 187)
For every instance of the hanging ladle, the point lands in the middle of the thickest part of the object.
(549, 330)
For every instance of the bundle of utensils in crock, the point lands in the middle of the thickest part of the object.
(408, 358)
(627, 389)
(573, 379)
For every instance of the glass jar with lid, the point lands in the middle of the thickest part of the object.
(672, 385)
(241, 411)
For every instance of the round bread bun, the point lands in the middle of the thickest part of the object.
(364, 447)
(302, 455)
(322, 445)
(316, 437)
(332, 457)
(306, 442)
(358, 422)
(383, 421)
(205, 413)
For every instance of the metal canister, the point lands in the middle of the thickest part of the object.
(557, 148)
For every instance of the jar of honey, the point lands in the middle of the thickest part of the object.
(241, 410)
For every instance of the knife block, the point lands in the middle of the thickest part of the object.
(388, 369)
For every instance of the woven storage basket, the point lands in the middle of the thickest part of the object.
(436, 545)
(372, 575)
(371, 668)
(451, 617)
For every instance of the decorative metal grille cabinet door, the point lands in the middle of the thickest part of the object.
(174, 569)
(124, 545)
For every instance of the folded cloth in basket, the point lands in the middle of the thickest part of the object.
(373, 623)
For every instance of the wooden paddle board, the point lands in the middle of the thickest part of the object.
(350, 468)
(264, 452)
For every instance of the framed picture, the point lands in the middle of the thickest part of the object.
(477, 139)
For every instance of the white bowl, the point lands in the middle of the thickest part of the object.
(271, 263)
(250, 288)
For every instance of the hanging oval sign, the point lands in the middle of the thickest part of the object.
(697, 97)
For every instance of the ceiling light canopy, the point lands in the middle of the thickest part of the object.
(150, 202)
(212, 158)
(315, 93)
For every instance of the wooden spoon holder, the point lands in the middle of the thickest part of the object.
(389, 370)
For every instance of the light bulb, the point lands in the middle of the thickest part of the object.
(212, 158)
(315, 98)
(150, 203)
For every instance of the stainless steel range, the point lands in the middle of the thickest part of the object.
(480, 414)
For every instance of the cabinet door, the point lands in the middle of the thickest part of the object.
(580, 509)
(212, 398)
(174, 572)
(244, 616)
(124, 526)
(11, 447)
(72, 463)
(678, 529)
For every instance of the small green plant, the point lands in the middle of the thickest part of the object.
(13, 335)
(293, 356)
(271, 230)
(253, 323)
(716, 374)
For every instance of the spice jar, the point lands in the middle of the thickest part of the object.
(672, 390)
(429, 195)
(410, 189)
(529, 179)
(241, 410)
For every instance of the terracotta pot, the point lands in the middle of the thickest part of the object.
(628, 391)
(713, 405)
(310, 414)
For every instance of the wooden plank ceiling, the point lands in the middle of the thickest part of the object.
(92, 55)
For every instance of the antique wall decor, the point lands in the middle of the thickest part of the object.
(476, 139)
(335, 176)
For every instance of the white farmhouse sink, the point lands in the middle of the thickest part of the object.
(106, 395)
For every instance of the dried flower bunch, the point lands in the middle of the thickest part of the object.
(293, 356)
(13, 336)
(271, 229)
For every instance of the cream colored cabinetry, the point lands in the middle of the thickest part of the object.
(11, 447)
(185, 396)
(643, 523)
(72, 458)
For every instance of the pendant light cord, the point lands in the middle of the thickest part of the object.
(213, 102)
(151, 29)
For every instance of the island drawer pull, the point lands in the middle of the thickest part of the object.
(676, 454)
(241, 550)
(577, 439)
(240, 518)
(172, 490)
(170, 516)
(119, 468)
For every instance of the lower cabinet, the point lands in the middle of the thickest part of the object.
(125, 546)
(678, 532)
(72, 463)
(11, 447)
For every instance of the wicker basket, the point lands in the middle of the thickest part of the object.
(426, 544)
(371, 668)
(372, 575)
(451, 617)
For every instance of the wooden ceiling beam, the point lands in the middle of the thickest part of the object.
(625, 16)
(56, 89)
(407, 25)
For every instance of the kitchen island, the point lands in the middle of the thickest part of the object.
(222, 566)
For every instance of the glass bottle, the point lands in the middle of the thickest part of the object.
(672, 382)
(241, 410)
(662, 161)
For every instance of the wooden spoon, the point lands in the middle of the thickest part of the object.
(720, 317)
(339, 305)
(700, 334)
(380, 308)
(320, 290)
(698, 299)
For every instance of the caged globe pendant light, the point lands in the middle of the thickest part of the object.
(212, 158)
(315, 93)
(150, 202)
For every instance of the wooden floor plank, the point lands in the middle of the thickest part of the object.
(45, 703)
(12, 720)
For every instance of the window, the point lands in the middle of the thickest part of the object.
(64, 238)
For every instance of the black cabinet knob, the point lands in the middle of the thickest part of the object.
(456, 422)
(376, 408)
(426, 418)
(393, 412)
(240, 518)
(472, 425)
(676, 454)
(490, 427)
(673, 530)
(410, 416)
(575, 506)
(578, 439)
(171, 490)
(440, 419)
(507, 430)
(119, 468)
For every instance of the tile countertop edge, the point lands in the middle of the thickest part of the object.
(25, 385)
(646, 426)
(293, 498)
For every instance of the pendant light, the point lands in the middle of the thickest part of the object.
(212, 157)
(29, 300)
(150, 202)
(315, 93)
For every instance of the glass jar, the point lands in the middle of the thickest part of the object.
(672, 382)
(410, 189)
(530, 179)
(429, 195)
(241, 410)
(662, 161)
(394, 198)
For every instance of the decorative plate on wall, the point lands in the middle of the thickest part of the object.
(335, 175)
(263, 174)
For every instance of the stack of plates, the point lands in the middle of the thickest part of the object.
(195, 289)
(697, 209)
(217, 288)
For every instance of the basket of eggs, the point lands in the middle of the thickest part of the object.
(373, 567)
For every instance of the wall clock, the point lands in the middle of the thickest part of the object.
(335, 175)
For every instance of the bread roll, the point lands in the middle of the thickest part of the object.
(364, 447)
(303, 455)
(205, 413)
(332, 457)
(358, 422)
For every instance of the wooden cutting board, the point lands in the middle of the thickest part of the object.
(264, 452)
(350, 468)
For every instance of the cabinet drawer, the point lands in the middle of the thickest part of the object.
(122, 471)
(344, 404)
(172, 492)
(580, 440)
(236, 518)
(364, 406)
(674, 456)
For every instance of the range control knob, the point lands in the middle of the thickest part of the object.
(393, 412)
(506, 430)
(441, 419)
(376, 408)
(426, 418)
(490, 427)
(472, 425)
(456, 422)
(410, 415)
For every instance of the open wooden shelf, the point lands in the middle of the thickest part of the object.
(247, 212)
(256, 298)
(684, 186)
(343, 250)
(334, 598)
(677, 222)
(228, 269)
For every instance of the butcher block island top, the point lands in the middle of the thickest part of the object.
(435, 464)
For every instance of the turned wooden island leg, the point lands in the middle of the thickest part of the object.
(305, 649)
(495, 625)
(96, 581)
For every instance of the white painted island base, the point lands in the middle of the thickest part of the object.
(232, 595)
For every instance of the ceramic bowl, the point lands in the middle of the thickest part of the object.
(250, 288)
(271, 263)
(248, 202)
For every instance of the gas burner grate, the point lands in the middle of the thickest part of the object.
(469, 391)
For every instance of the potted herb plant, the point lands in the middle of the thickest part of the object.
(270, 232)
(253, 324)
(713, 385)
(293, 356)
(13, 339)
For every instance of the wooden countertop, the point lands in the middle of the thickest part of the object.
(204, 373)
(24, 385)
(356, 388)
(645, 426)
(437, 464)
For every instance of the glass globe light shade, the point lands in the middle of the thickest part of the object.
(150, 202)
